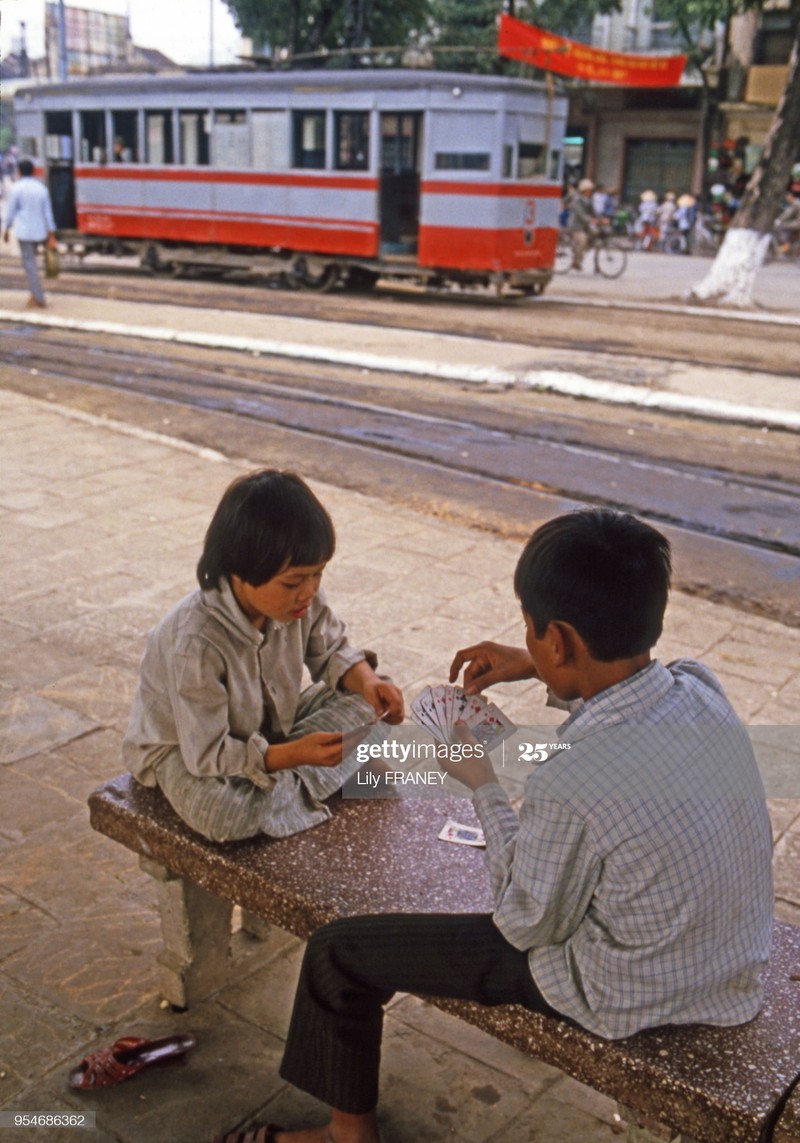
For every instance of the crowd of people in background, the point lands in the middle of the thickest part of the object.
(673, 222)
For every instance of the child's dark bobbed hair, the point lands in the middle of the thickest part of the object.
(266, 521)
(605, 573)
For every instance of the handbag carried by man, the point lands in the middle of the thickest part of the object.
(52, 264)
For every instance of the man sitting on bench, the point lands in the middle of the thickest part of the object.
(635, 887)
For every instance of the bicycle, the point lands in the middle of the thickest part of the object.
(677, 241)
(609, 256)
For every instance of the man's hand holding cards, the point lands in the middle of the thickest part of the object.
(440, 709)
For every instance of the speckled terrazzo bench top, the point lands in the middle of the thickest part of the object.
(714, 1085)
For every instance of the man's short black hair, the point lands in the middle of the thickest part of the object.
(605, 573)
(266, 521)
(25, 168)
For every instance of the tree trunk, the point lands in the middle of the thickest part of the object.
(732, 276)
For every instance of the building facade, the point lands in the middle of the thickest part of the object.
(710, 128)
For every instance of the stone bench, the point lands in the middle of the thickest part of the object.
(711, 1085)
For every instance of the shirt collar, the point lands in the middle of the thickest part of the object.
(222, 602)
(619, 703)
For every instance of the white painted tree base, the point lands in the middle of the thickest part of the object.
(732, 276)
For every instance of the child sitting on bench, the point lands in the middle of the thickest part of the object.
(220, 721)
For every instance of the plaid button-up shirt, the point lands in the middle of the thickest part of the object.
(638, 873)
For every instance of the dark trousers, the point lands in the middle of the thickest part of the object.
(354, 966)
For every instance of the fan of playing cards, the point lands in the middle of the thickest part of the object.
(438, 709)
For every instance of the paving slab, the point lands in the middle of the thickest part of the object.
(80, 929)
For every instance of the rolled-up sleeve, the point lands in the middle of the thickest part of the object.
(543, 867)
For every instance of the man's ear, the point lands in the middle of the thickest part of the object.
(563, 642)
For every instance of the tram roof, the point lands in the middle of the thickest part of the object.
(251, 80)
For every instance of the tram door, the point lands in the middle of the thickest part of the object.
(400, 178)
(60, 168)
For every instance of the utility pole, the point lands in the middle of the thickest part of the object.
(211, 33)
(62, 41)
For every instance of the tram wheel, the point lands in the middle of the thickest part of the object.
(150, 261)
(323, 281)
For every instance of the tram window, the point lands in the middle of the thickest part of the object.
(532, 160)
(461, 161)
(309, 139)
(231, 139)
(352, 140)
(58, 135)
(93, 137)
(399, 142)
(555, 166)
(159, 148)
(28, 147)
(124, 131)
(508, 161)
(270, 140)
(194, 148)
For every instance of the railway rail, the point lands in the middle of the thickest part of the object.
(526, 466)
(699, 339)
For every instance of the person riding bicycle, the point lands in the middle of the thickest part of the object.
(583, 221)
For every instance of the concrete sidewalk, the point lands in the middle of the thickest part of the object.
(102, 526)
(656, 279)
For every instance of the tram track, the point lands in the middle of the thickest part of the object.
(691, 338)
(525, 467)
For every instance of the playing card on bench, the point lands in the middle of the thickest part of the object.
(462, 834)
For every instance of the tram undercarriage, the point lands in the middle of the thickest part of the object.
(292, 270)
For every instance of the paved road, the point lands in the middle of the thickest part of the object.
(642, 314)
(450, 437)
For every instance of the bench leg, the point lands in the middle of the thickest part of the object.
(640, 1129)
(196, 926)
(256, 926)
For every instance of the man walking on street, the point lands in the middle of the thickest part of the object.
(30, 212)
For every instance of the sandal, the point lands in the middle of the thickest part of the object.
(127, 1057)
(258, 1134)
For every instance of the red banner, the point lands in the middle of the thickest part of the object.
(519, 41)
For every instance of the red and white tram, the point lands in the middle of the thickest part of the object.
(335, 176)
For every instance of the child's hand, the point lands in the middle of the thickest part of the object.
(490, 663)
(385, 699)
(319, 749)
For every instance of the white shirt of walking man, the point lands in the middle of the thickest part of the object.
(30, 213)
